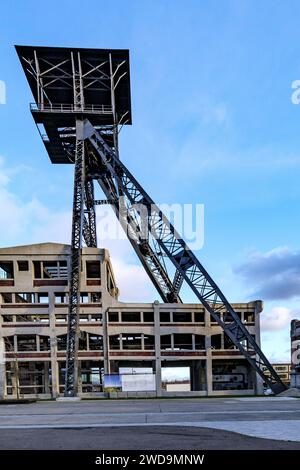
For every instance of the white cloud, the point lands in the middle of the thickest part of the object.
(131, 278)
(276, 273)
(278, 318)
(28, 221)
(133, 282)
(25, 222)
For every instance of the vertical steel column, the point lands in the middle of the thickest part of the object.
(113, 105)
(71, 379)
(91, 214)
(77, 83)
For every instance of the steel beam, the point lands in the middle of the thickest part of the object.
(185, 262)
(71, 378)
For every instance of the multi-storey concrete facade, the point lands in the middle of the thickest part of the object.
(114, 335)
(295, 353)
(283, 369)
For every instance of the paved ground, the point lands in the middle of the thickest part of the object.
(137, 438)
(153, 424)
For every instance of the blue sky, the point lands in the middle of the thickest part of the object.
(213, 123)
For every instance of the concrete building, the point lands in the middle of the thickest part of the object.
(283, 370)
(295, 353)
(134, 345)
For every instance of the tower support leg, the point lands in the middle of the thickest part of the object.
(71, 379)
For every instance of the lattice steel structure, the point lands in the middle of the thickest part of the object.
(82, 99)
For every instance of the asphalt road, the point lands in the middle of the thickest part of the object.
(228, 423)
(136, 438)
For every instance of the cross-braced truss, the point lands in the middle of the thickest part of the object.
(151, 232)
(82, 99)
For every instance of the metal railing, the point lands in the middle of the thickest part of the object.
(71, 108)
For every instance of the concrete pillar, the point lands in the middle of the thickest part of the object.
(33, 378)
(2, 361)
(79, 378)
(53, 347)
(258, 381)
(222, 340)
(46, 378)
(208, 368)
(157, 348)
(15, 379)
(143, 342)
(196, 375)
(2, 368)
(106, 342)
(15, 343)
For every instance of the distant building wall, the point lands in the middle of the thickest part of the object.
(295, 353)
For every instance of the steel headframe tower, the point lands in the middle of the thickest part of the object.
(82, 100)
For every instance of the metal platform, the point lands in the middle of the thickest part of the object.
(75, 83)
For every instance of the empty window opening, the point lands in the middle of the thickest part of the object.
(91, 376)
(23, 266)
(32, 318)
(96, 297)
(43, 318)
(9, 343)
(25, 297)
(6, 298)
(55, 269)
(84, 298)
(176, 379)
(95, 342)
(249, 317)
(26, 342)
(182, 342)
(50, 269)
(182, 317)
(131, 317)
(165, 342)
(148, 317)
(43, 298)
(149, 342)
(114, 342)
(82, 341)
(30, 377)
(164, 317)
(62, 342)
(97, 317)
(61, 318)
(132, 341)
(83, 318)
(216, 341)
(61, 298)
(200, 342)
(199, 317)
(113, 317)
(110, 281)
(228, 344)
(6, 270)
(37, 271)
(93, 269)
(219, 315)
(44, 343)
(7, 318)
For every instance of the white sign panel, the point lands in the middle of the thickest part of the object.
(135, 370)
(138, 383)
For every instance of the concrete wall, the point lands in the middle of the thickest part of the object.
(295, 353)
(95, 319)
